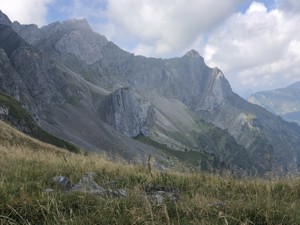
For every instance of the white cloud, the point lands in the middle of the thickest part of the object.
(85, 8)
(258, 49)
(209, 52)
(143, 50)
(257, 7)
(26, 11)
(165, 28)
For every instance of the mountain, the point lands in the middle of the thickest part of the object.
(71, 100)
(85, 89)
(284, 101)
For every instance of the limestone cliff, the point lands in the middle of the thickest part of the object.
(127, 113)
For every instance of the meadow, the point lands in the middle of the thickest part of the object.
(27, 167)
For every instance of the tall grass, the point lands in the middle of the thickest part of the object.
(27, 166)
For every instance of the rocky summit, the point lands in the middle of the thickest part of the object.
(85, 89)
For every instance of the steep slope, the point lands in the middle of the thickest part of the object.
(12, 112)
(58, 97)
(284, 102)
(78, 89)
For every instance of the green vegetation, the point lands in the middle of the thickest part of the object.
(19, 117)
(250, 118)
(44, 136)
(16, 111)
(197, 160)
(223, 146)
(28, 165)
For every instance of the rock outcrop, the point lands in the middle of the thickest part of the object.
(86, 185)
(4, 111)
(161, 194)
(4, 19)
(127, 113)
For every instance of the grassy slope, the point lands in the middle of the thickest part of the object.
(190, 158)
(19, 115)
(27, 166)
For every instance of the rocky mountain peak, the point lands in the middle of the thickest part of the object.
(4, 19)
(30, 32)
(193, 54)
(218, 74)
(73, 24)
(70, 37)
(81, 24)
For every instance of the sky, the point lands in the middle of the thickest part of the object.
(255, 43)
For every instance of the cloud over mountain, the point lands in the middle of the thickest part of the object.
(164, 27)
(255, 43)
(26, 11)
(258, 48)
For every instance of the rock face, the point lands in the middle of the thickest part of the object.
(12, 112)
(284, 102)
(85, 47)
(127, 113)
(87, 90)
(4, 19)
(4, 110)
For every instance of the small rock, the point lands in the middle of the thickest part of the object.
(158, 197)
(62, 182)
(161, 193)
(111, 183)
(117, 193)
(91, 174)
(122, 193)
(48, 190)
(88, 185)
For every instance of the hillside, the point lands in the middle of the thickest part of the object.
(12, 111)
(284, 101)
(28, 165)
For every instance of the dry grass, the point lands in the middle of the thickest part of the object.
(27, 166)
